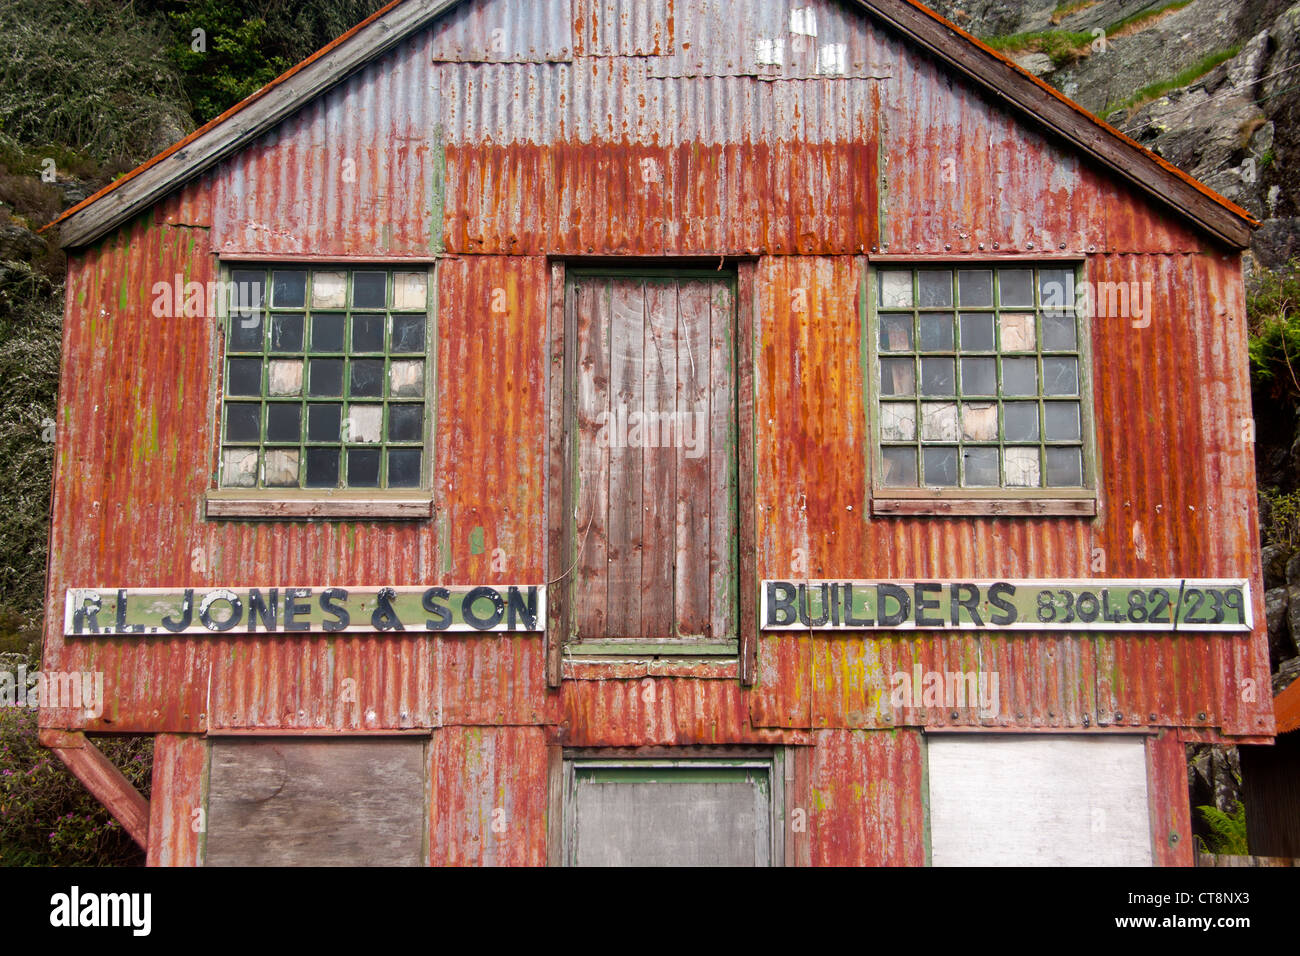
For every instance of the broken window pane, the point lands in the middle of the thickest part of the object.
(239, 468)
(895, 289)
(410, 290)
(284, 377)
(408, 333)
(1022, 466)
(939, 421)
(896, 333)
(282, 467)
(329, 290)
(1016, 331)
(897, 421)
(897, 376)
(406, 379)
(899, 467)
(940, 466)
(364, 423)
(979, 422)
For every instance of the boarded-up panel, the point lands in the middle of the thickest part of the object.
(655, 419)
(1046, 801)
(669, 816)
(316, 803)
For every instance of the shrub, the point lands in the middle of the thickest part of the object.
(1273, 317)
(47, 818)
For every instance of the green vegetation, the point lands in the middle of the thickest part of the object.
(47, 818)
(1227, 830)
(1273, 319)
(1283, 525)
(1064, 46)
(1153, 91)
(1061, 45)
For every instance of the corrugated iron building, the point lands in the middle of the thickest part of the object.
(821, 242)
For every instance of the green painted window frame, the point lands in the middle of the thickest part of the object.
(341, 498)
(1001, 498)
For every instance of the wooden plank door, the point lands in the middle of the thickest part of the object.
(653, 406)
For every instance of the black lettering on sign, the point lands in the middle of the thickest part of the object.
(780, 609)
(965, 596)
(886, 592)
(187, 613)
(998, 592)
(471, 617)
(527, 611)
(205, 610)
(331, 602)
(385, 616)
(805, 607)
(292, 608)
(87, 613)
(849, 619)
(924, 604)
(442, 614)
(260, 608)
(121, 626)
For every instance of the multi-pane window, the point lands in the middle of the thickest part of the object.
(325, 378)
(981, 378)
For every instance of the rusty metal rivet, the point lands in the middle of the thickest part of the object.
(954, 715)
(1201, 715)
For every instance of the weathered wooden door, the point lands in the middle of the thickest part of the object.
(652, 406)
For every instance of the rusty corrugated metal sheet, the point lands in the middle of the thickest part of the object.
(488, 802)
(517, 161)
(527, 31)
(613, 28)
(865, 800)
(1167, 802)
(177, 798)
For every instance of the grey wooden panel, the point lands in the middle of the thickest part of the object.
(681, 819)
(1041, 801)
(316, 803)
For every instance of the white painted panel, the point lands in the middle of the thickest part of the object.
(1038, 801)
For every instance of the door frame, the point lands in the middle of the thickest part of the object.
(562, 446)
